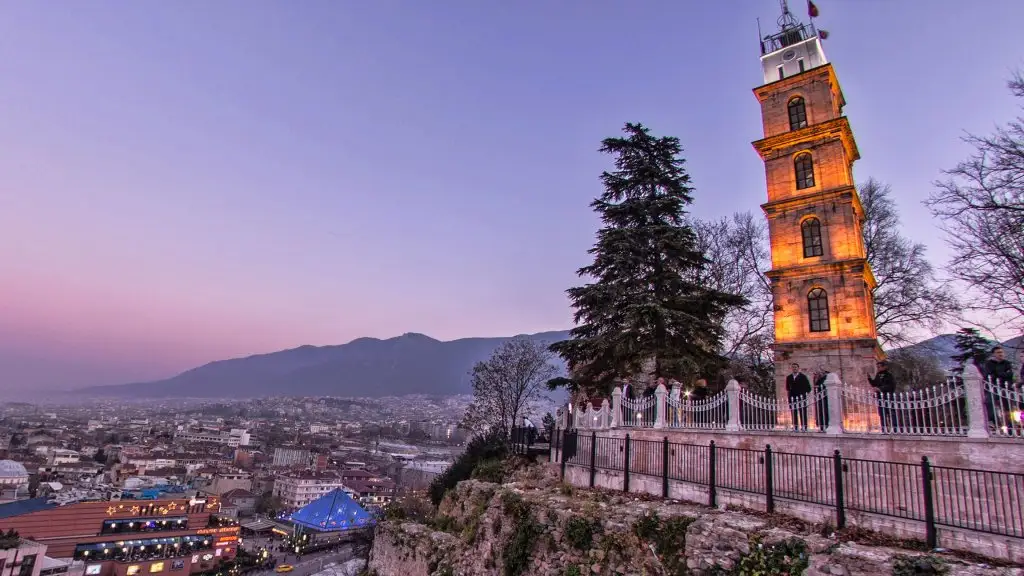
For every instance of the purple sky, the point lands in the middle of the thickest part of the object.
(188, 181)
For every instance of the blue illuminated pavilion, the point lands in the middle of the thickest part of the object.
(332, 512)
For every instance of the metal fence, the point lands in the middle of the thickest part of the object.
(978, 500)
(959, 406)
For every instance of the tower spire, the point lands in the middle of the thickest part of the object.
(786, 20)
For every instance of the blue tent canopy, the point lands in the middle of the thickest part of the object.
(332, 512)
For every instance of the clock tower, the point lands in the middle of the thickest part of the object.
(821, 280)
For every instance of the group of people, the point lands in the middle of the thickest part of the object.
(798, 386)
(798, 389)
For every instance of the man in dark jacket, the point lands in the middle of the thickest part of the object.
(999, 369)
(797, 388)
(885, 385)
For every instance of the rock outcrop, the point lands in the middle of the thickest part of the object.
(534, 526)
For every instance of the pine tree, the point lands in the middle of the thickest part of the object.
(972, 346)
(647, 309)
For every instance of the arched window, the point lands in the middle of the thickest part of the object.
(804, 167)
(797, 113)
(817, 308)
(811, 232)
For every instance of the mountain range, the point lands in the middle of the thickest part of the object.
(408, 364)
(943, 347)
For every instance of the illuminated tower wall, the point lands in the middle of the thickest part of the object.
(821, 280)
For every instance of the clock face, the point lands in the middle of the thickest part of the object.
(788, 55)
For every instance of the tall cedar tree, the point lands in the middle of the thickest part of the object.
(647, 303)
(971, 345)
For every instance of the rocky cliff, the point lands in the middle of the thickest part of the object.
(535, 526)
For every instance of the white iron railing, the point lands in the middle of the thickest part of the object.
(1004, 403)
(960, 406)
(934, 411)
(707, 413)
(804, 413)
(596, 419)
(639, 412)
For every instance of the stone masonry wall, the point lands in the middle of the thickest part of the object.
(537, 526)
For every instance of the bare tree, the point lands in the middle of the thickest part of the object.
(981, 205)
(907, 295)
(738, 250)
(914, 370)
(507, 384)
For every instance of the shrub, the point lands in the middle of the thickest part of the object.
(412, 508)
(668, 537)
(490, 471)
(524, 535)
(487, 447)
(922, 565)
(579, 532)
(788, 557)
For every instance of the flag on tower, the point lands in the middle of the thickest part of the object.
(823, 34)
(812, 9)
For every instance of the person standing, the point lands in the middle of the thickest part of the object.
(998, 369)
(819, 386)
(885, 386)
(797, 388)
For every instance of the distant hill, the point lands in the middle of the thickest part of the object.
(943, 347)
(407, 364)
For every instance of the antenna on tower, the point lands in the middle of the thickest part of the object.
(786, 20)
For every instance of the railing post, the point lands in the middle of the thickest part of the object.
(556, 446)
(769, 480)
(593, 458)
(931, 535)
(605, 414)
(834, 396)
(625, 468)
(974, 395)
(660, 393)
(732, 392)
(712, 492)
(837, 472)
(616, 407)
(664, 468)
(561, 453)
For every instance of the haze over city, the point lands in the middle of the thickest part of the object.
(183, 183)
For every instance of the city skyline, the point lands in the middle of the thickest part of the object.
(184, 186)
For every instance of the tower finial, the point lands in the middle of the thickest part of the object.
(786, 20)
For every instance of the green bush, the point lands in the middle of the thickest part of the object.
(922, 565)
(412, 508)
(481, 449)
(525, 531)
(668, 537)
(788, 557)
(490, 471)
(580, 531)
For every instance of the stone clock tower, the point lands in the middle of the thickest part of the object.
(821, 280)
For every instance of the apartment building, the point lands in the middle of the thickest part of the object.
(291, 457)
(234, 438)
(297, 490)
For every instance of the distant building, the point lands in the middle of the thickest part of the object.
(177, 536)
(243, 500)
(224, 482)
(297, 490)
(291, 457)
(28, 554)
(234, 438)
